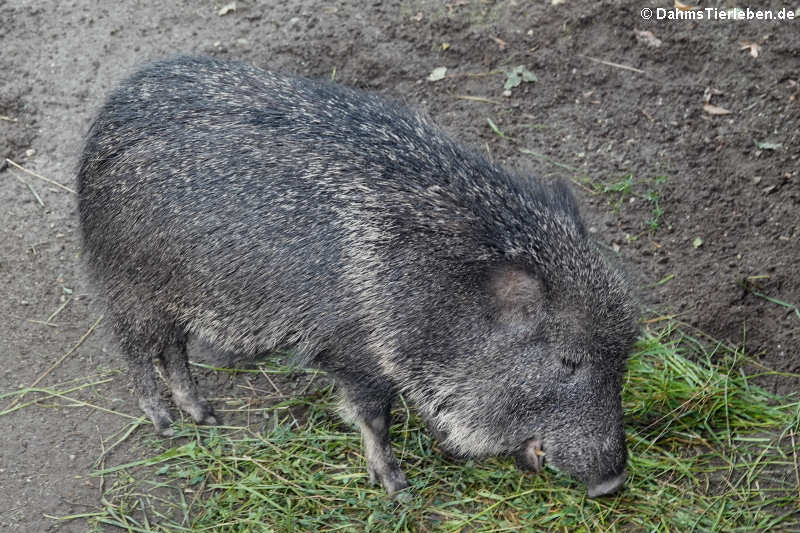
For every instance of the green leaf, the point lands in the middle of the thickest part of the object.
(517, 75)
(437, 74)
(768, 145)
(494, 127)
(698, 242)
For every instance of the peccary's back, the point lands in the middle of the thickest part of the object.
(259, 209)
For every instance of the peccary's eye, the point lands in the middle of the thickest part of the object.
(570, 365)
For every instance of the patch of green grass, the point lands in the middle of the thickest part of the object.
(625, 188)
(709, 451)
(654, 197)
(617, 191)
(654, 222)
(750, 284)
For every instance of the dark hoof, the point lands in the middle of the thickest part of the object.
(159, 415)
(211, 420)
(393, 480)
(167, 431)
(204, 414)
(199, 409)
(404, 496)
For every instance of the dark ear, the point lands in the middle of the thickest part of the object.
(563, 197)
(515, 293)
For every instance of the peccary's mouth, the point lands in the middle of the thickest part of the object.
(531, 455)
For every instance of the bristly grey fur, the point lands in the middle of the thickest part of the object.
(258, 210)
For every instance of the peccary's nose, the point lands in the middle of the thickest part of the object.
(608, 486)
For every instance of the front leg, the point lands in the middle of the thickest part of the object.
(369, 407)
(382, 464)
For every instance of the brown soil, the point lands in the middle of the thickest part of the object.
(606, 107)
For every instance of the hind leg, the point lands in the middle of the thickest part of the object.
(140, 352)
(144, 341)
(183, 386)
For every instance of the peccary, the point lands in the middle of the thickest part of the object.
(257, 210)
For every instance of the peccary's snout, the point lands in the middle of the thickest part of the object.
(612, 467)
(532, 456)
(595, 454)
(608, 486)
(609, 465)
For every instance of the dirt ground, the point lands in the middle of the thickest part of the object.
(702, 204)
